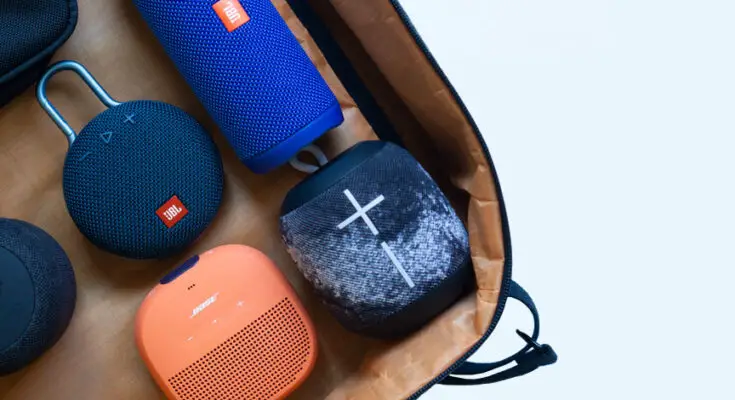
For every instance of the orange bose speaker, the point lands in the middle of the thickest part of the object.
(226, 325)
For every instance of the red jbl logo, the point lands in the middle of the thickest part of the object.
(172, 212)
(231, 13)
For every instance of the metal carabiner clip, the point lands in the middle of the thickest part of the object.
(87, 77)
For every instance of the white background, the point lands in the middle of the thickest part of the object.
(612, 126)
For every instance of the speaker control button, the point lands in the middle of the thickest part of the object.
(187, 265)
(84, 156)
(106, 137)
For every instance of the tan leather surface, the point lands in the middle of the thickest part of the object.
(97, 358)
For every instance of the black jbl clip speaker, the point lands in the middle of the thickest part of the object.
(143, 179)
(37, 293)
(378, 240)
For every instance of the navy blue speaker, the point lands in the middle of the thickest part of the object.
(378, 240)
(249, 71)
(143, 179)
(37, 293)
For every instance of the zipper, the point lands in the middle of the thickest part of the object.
(385, 131)
(507, 268)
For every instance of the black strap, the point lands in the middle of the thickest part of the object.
(531, 357)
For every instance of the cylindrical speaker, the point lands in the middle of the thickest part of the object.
(249, 71)
(143, 179)
(226, 324)
(37, 293)
(378, 240)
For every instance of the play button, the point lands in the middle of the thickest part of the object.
(106, 137)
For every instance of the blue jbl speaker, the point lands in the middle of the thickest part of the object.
(143, 179)
(250, 72)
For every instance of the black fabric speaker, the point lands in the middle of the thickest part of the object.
(31, 31)
(378, 240)
(143, 179)
(37, 293)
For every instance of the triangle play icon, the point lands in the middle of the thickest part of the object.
(106, 137)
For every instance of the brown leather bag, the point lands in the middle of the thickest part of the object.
(389, 87)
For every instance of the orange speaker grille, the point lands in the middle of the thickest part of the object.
(256, 363)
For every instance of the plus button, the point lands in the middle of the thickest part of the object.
(129, 119)
(362, 213)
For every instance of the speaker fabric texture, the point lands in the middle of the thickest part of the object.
(383, 66)
(37, 293)
(130, 161)
(255, 80)
(226, 324)
(31, 31)
(378, 240)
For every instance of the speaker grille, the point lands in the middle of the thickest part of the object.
(30, 28)
(355, 267)
(256, 82)
(113, 190)
(55, 291)
(258, 362)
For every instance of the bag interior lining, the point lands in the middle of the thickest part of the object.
(420, 105)
(97, 358)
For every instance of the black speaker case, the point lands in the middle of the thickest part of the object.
(24, 70)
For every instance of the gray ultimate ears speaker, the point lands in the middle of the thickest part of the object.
(143, 179)
(378, 240)
(37, 293)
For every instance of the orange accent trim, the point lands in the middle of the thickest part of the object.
(232, 14)
(172, 211)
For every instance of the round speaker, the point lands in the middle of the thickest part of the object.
(143, 180)
(378, 240)
(37, 293)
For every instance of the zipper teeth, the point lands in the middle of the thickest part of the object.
(507, 270)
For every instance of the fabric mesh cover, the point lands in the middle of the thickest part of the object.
(55, 291)
(350, 267)
(118, 174)
(31, 30)
(256, 82)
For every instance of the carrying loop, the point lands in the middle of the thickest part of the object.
(531, 357)
(321, 158)
(97, 89)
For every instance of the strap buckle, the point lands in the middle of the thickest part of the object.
(540, 354)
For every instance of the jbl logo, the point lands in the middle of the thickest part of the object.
(231, 13)
(172, 212)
